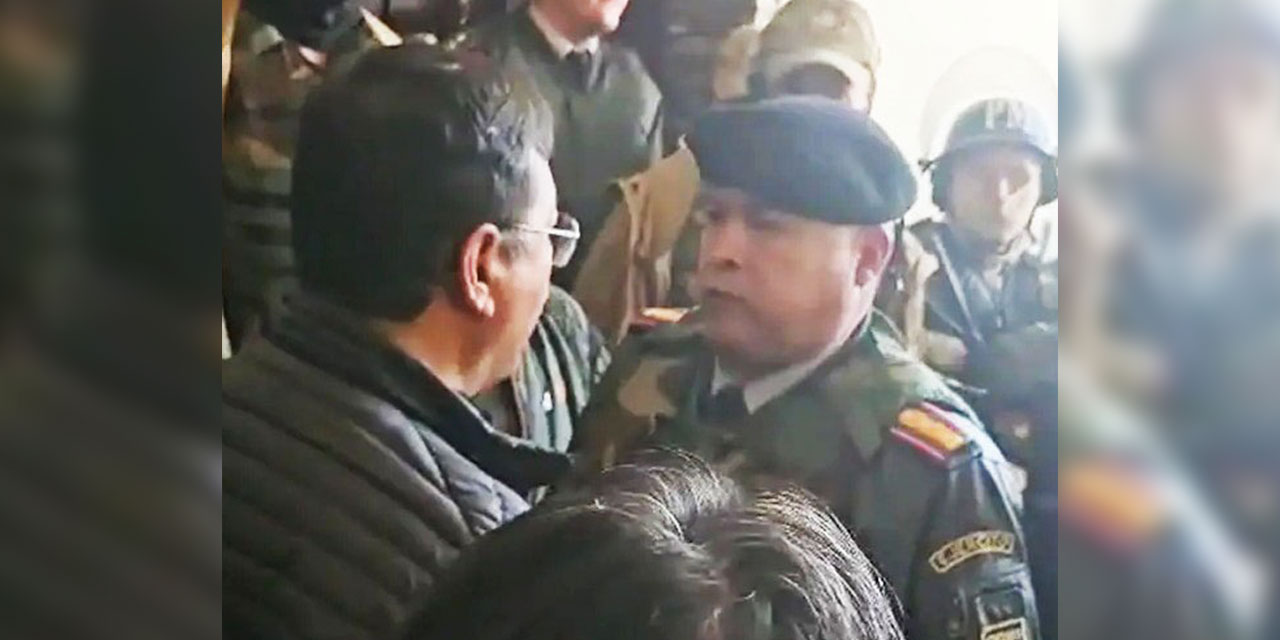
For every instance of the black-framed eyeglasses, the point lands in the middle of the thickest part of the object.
(564, 238)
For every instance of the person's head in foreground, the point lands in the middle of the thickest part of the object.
(798, 196)
(997, 168)
(664, 548)
(423, 201)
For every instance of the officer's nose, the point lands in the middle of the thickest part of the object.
(724, 242)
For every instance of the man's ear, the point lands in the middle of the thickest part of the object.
(873, 246)
(477, 262)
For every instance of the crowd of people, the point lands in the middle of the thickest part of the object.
(515, 356)
(526, 336)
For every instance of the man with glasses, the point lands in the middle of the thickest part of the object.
(565, 358)
(425, 229)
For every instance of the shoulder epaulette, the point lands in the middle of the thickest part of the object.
(932, 432)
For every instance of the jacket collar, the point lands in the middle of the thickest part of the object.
(560, 45)
(336, 340)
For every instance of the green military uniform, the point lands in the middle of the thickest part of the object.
(607, 110)
(898, 456)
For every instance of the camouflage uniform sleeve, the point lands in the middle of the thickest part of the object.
(959, 560)
(623, 409)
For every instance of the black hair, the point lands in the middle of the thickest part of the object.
(398, 160)
(664, 548)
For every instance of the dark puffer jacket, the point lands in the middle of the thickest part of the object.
(351, 477)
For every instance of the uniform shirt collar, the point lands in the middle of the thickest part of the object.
(760, 391)
(560, 45)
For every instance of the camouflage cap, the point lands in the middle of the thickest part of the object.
(837, 33)
(806, 155)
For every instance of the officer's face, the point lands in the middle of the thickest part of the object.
(994, 191)
(775, 288)
(521, 290)
(1211, 122)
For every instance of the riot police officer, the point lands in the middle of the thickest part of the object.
(977, 296)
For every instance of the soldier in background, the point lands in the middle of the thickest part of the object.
(607, 109)
(646, 253)
(280, 53)
(975, 293)
(786, 371)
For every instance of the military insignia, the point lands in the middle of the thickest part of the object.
(1005, 114)
(1015, 629)
(925, 430)
(978, 543)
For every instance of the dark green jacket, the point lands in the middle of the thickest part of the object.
(899, 458)
(545, 397)
(608, 124)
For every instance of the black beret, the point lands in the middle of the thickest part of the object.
(810, 156)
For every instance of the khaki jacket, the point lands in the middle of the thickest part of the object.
(628, 267)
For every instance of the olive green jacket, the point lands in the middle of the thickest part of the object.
(876, 434)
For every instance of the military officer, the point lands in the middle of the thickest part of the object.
(785, 371)
(811, 47)
(607, 110)
(975, 293)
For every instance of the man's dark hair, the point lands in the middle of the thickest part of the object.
(398, 159)
(664, 548)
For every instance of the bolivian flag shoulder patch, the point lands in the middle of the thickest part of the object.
(929, 431)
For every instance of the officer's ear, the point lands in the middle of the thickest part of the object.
(480, 263)
(873, 246)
